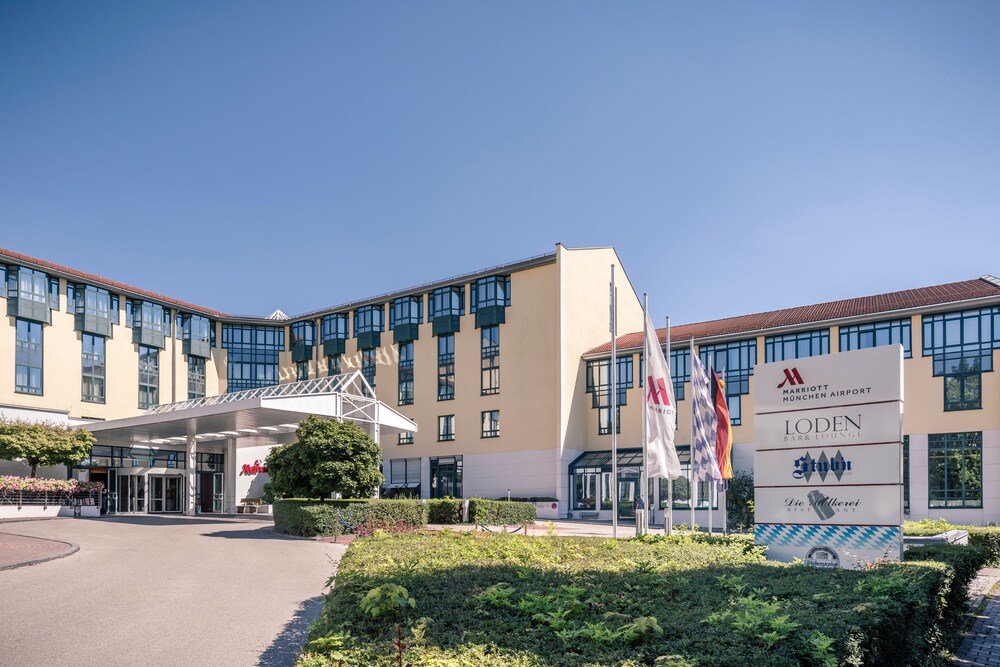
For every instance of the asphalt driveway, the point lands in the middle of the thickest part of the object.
(163, 591)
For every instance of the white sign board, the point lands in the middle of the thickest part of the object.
(828, 457)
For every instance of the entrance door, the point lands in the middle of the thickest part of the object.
(627, 489)
(165, 493)
(130, 495)
(217, 493)
(445, 483)
(210, 492)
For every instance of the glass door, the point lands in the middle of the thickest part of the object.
(165, 493)
(218, 492)
(626, 498)
(137, 495)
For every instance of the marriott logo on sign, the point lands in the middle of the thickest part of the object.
(792, 378)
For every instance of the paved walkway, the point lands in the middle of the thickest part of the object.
(150, 590)
(981, 645)
(18, 550)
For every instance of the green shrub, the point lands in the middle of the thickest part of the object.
(496, 600)
(739, 502)
(985, 537)
(444, 510)
(964, 562)
(309, 518)
(500, 512)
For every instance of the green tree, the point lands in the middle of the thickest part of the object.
(329, 457)
(43, 444)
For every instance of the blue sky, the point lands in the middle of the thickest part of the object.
(741, 156)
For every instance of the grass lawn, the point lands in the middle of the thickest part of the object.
(487, 599)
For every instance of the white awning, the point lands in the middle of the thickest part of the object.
(265, 416)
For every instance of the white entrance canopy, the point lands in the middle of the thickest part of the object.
(265, 416)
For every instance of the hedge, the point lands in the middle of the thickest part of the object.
(496, 600)
(309, 518)
(984, 537)
(444, 510)
(500, 512)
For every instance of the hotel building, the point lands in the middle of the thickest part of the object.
(503, 374)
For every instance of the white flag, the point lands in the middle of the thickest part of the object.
(661, 414)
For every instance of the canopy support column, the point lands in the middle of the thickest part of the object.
(232, 470)
(192, 476)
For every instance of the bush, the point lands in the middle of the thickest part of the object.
(496, 600)
(739, 502)
(964, 562)
(986, 538)
(500, 512)
(444, 510)
(309, 518)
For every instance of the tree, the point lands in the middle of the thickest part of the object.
(43, 443)
(329, 457)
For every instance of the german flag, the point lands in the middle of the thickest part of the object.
(724, 434)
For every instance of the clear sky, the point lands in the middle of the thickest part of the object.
(741, 156)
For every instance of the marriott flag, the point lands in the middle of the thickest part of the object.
(661, 415)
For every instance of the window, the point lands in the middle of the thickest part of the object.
(491, 424)
(797, 345)
(368, 319)
(446, 367)
(680, 370)
(906, 474)
(28, 358)
(955, 469)
(446, 428)
(54, 293)
(682, 486)
(31, 286)
(333, 330)
(446, 476)
(604, 420)
(599, 380)
(92, 308)
(302, 336)
(489, 381)
(446, 302)
(490, 292)
(406, 373)
(196, 377)
(93, 368)
(369, 361)
(405, 438)
(404, 477)
(150, 323)
(963, 391)
(962, 345)
(734, 362)
(196, 332)
(333, 364)
(301, 370)
(149, 376)
(253, 355)
(963, 341)
(406, 310)
(876, 334)
(115, 307)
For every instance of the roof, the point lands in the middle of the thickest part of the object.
(984, 287)
(33, 262)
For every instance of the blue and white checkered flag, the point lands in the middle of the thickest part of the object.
(704, 464)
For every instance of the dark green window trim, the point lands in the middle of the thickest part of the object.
(604, 420)
(877, 334)
(801, 345)
(28, 295)
(955, 470)
(253, 353)
(149, 377)
(489, 377)
(963, 391)
(962, 341)
(333, 332)
(28, 357)
(406, 373)
(333, 364)
(302, 336)
(369, 364)
(301, 370)
(446, 477)
(490, 424)
(734, 362)
(446, 367)
(446, 428)
(93, 372)
(196, 333)
(405, 438)
(196, 378)
(599, 380)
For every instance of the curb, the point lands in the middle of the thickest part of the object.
(69, 551)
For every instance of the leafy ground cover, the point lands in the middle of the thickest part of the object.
(461, 598)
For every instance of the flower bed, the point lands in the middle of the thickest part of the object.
(492, 600)
(35, 491)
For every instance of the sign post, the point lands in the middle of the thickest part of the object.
(828, 458)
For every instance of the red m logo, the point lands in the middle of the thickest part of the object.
(792, 377)
(657, 391)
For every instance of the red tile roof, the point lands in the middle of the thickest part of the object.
(832, 310)
(104, 282)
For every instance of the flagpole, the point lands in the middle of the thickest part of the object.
(614, 404)
(644, 479)
(711, 485)
(692, 490)
(668, 513)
